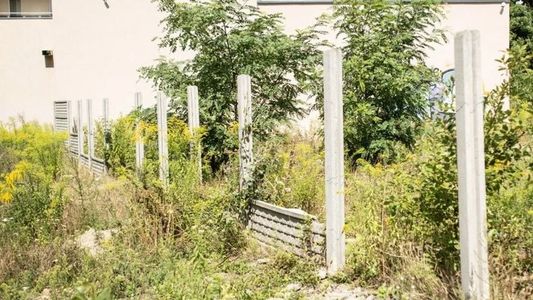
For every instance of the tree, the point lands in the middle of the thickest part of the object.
(520, 62)
(231, 38)
(521, 24)
(386, 82)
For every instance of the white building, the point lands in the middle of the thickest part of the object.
(79, 49)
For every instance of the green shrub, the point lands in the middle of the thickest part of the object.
(290, 173)
(121, 155)
(408, 211)
(231, 38)
(386, 81)
(123, 133)
(30, 196)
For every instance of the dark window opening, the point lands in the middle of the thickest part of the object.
(48, 58)
(441, 94)
(14, 8)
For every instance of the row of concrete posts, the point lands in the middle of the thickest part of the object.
(470, 155)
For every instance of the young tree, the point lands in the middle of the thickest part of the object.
(232, 38)
(520, 62)
(521, 23)
(386, 82)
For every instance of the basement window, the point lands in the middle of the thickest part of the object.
(48, 58)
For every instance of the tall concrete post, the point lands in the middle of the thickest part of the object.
(139, 142)
(162, 138)
(471, 166)
(69, 124)
(246, 159)
(90, 131)
(80, 129)
(334, 163)
(105, 117)
(69, 118)
(105, 120)
(194, 123)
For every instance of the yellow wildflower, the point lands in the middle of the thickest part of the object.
(7, 188)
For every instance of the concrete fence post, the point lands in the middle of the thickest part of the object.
(162, 138)
(105, 125)
(105, 113)
(334, 162)
(471, 166)
(69, 124)
(105, 120)
(194, 123)
(80, 129)
(69, 118)
(90, 132)
(139, 142)
(246, 159)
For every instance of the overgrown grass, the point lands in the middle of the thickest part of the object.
(188, 240)
(184, 242)
(402, 218)
(290, 173)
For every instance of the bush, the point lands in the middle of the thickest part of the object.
(408, 211)
(32, 200)
(121, 153)
(178, 237)
(123, 133)
(32, 171)
(386, 81)
(231, 38)
(290, 172)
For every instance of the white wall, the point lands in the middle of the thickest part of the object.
(490, 19)
(493, 23)
(97, 51)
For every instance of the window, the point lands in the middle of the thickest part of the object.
(14, 8)
(25, 9)
(448, 76)
(48, 58)
(441, 94)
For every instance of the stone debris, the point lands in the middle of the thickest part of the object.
(332, 292)
(45, 295)
(293, 287)
(346, 292)
(91, 240)
(263, 261)
(322, 273)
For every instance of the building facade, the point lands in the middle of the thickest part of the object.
(80, 49)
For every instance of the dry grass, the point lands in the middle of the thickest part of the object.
(101, 201)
